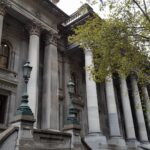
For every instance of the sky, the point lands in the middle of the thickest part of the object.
(69, 6)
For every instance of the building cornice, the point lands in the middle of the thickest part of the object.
(53, 8)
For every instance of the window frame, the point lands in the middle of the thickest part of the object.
(7, 94)
(11, 56)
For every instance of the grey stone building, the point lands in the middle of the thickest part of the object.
(68, 114)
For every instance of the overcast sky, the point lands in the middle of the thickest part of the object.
(69, 6)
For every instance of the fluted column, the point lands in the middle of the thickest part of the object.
(2, 14)
(138, 110)
(129, 125)
(50, 106)
(147, 104)
(112, 108)
(92, 101)
(33, 58)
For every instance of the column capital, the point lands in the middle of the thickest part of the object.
(4, 4)
(88, 51)
(51, 38)
(34, 28)
(133, 75)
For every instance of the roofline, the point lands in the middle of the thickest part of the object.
(57, 9)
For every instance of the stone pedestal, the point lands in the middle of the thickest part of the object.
(25, 132)
(74, 130)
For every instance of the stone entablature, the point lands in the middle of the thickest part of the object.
(45, 10)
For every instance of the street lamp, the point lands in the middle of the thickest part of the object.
(24, 109)
(72, 116)
(71, 87)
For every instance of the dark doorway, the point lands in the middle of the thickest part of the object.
(3, 100)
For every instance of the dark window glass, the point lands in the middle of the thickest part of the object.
(3, 100)
(4, 55)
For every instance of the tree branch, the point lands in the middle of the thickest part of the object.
(145, 6)
(147, 38)
(144, 13)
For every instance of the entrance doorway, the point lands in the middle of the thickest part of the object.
(3, 102)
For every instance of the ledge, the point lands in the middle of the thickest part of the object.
(4, 70)
(71, 126)
(48, 131)
(4, 135)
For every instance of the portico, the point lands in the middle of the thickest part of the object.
(108, 113)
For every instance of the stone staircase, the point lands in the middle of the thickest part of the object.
(49, 140)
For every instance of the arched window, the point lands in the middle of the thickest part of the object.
(4, 55)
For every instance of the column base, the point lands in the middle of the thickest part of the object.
(132, 143)
(145, 145)
(119, 141)
(94, 141)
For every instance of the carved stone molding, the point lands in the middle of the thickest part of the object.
(8, 86)
(51, 38)
(2, 10)
(4, 4)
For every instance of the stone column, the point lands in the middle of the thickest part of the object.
(95, 138)
(138, 110)
(92, 101)
(50, 107)
(33, 58)
(114, 127)
(129, 125)
(147, 104)
(112, 109)
(2, 13)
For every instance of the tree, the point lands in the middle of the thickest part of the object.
(120, 43)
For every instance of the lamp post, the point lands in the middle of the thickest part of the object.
(24, 109)
(72, 117)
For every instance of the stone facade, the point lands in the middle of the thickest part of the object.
(110, 114)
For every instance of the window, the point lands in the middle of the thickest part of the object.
(3, 100)
(4, 55)
(74, 80)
